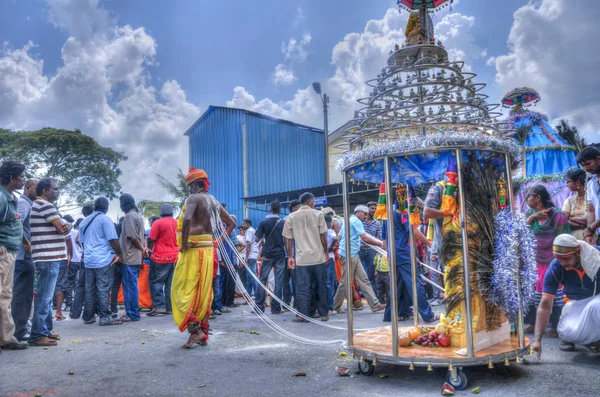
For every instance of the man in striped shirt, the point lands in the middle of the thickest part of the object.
(49, 249)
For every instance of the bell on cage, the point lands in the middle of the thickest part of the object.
(450, 366)
(490, 364)
(506, 362)
(411, 367)
(429, 367)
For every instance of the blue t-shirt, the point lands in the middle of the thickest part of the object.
(401, 237)
(577, 285)
(356, 229)
(97, 251)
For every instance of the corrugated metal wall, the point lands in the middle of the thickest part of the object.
(280, 156)
(216, 147)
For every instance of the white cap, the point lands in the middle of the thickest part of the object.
(361, 208)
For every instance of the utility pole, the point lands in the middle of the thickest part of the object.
(325, 101)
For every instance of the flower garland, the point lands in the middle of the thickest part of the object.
(515, 248)
(426, 144)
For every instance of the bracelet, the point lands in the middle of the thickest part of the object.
(590, 229)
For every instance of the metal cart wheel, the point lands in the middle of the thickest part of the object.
(457, 379)
(366, 367)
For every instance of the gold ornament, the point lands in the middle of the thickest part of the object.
(429, 367)
(411, 367)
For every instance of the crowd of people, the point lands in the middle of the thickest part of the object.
(81, 265)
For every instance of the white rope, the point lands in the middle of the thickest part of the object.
(242, 260)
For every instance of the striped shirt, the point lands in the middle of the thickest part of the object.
(373, 228)
(47, 244)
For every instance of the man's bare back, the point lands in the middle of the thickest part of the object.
(197, 220)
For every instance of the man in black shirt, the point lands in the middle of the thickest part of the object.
(273, 255)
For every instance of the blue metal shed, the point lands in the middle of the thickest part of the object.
(249, 154)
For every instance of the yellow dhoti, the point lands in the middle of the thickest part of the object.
(191, 289)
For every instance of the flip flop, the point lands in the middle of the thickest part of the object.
(59, 317)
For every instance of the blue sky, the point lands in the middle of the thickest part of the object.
(136, 74)
(209, 47)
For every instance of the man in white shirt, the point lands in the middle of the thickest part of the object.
(75, 260)
(251, 256)
(589, 160)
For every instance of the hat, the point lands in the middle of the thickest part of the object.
(68, 218)
(565, 245)
(361, 208)
(166, 210)
(195, 175)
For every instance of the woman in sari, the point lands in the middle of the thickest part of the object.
(546, 221)
(575, 206)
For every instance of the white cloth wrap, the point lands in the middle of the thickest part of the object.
(580, 321)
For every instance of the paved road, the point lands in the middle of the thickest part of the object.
(145, 359)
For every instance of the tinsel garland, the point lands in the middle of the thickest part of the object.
(559, 176)
(515, 248)
(549, 147)
(535, 117)
(428, 143)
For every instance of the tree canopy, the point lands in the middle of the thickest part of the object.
(83, 168)
(177, 190)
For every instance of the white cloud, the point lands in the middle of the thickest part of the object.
(360, 57)
(550, 51)
(283, 76)
(103, 88)
(294, 50)
(299, 18)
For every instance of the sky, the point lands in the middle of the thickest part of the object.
(136, 74)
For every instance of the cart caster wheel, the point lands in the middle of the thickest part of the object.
(366, 367)
(458, 381)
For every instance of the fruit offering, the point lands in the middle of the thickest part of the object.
(433, 339)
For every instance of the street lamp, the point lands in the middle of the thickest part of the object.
(325, 100)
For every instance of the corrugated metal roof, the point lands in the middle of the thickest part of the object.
(212, 108)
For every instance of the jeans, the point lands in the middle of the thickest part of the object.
(289, 285)
(22, 297)
(160, 279)
(382, 281)
(79, 297)
(47, 273)
(114, 290)
(74, 268)
(404, 279)
(332, 283)
(367, 258)
(227, 284)
(216, 302)
(251, 285)
(278, 266)
(97, 287)
(129, 278)
(307, 301)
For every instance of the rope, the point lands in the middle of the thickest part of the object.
(242, 260)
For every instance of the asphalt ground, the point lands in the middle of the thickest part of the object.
(145, 358)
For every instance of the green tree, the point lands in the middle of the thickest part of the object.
(571, 135)
(83, 168)
(177, 190)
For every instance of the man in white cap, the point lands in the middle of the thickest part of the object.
(357, 233)
(576, 268)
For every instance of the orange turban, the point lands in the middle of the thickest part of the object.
(195, 175)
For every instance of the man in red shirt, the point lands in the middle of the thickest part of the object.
(163, 243)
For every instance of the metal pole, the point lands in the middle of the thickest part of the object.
(391, 249)
(465, 254)
(349, 275)
(326, 136)
(509, 188)
(413, 267)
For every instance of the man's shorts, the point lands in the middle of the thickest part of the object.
(62, 284)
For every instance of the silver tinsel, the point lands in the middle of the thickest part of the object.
(428, 143)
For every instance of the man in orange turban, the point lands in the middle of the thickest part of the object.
(191, 290)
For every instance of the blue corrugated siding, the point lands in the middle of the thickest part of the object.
(280, 156)
(216, 147)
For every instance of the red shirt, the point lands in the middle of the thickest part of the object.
(163, 233)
